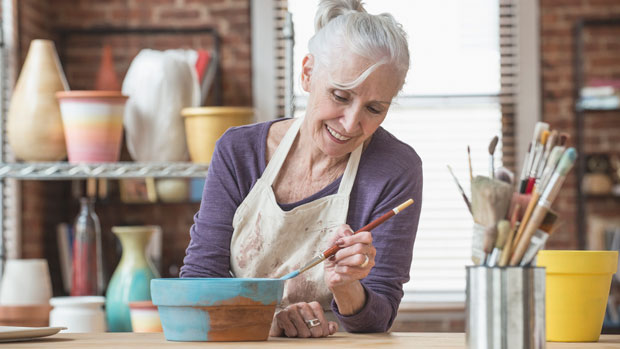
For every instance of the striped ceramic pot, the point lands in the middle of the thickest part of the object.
(93, 124)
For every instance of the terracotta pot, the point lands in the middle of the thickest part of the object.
(205, 125)
(216, 309)
(107, 79)
(35, 131)
(25, 315)
(93, 123)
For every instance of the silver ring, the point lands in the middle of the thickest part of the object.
(365, 261)
(313, 323)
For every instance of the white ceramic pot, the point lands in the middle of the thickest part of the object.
(25, 282)
(79, 314)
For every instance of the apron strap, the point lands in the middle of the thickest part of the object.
(348, 178)
(274, 165)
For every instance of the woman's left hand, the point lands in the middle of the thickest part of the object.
(302, 320)
(353, 261)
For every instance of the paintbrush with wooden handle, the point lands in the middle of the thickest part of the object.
(465, 198)
(538, 129)
(503, 260)
(471, 171)
(503, 229)
(544, 204)
(332, 250)
(540, 152)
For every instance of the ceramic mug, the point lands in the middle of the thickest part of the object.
(25, 282)
(81, 314)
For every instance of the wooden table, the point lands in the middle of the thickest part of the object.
(340, 340)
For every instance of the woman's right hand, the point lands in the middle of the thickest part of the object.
(297, 320)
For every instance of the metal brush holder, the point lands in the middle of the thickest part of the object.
(505, 307)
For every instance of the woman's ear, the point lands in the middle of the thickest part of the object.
(307, 66)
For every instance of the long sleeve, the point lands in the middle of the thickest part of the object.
(394, 241)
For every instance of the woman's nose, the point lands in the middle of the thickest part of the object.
(351, 120)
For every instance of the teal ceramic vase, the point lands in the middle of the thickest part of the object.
(132, 278)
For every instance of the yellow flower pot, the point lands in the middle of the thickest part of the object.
(205, 125)
(578, 285)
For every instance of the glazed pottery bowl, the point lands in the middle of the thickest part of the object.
(205, 125)
(223, 309)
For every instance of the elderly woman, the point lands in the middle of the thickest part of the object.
(280, 192)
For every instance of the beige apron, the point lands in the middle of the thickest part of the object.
(268, 242)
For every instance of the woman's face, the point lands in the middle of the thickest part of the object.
(340, 120)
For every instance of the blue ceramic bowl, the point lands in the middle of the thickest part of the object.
(226, 309)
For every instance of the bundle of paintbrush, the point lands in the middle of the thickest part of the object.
(513, 224)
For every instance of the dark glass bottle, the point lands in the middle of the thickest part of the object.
(87, 272)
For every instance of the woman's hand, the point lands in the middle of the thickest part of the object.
(353, 261)
(302, 320)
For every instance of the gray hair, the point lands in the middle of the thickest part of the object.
(345, 24)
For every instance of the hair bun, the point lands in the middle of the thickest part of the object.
(330, 9)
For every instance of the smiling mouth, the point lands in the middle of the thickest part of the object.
(337, 135)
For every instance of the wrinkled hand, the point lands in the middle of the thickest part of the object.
(291, 322)
(348, 264)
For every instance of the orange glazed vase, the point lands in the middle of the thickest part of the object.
(35, 129)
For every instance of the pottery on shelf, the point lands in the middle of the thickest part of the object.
(34, 126)
(205, 125)
(93, 124)
(131, 280)
(172, 189)
(26, 282)
(107, 79)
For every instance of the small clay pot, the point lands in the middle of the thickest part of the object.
(25, 315)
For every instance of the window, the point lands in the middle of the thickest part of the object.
(451, 100)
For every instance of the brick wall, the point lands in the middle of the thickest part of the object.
(602, 130)
(46, 204)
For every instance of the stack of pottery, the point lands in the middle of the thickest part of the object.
(25, 293)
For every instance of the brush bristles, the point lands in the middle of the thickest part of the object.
(538, 130)
(567, 161)
(544, 137)
(493, 144)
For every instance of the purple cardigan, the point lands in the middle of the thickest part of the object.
(389, 173)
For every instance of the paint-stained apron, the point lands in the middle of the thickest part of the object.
(268, 242)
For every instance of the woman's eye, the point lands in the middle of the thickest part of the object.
(339, 98)
(374, 110)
